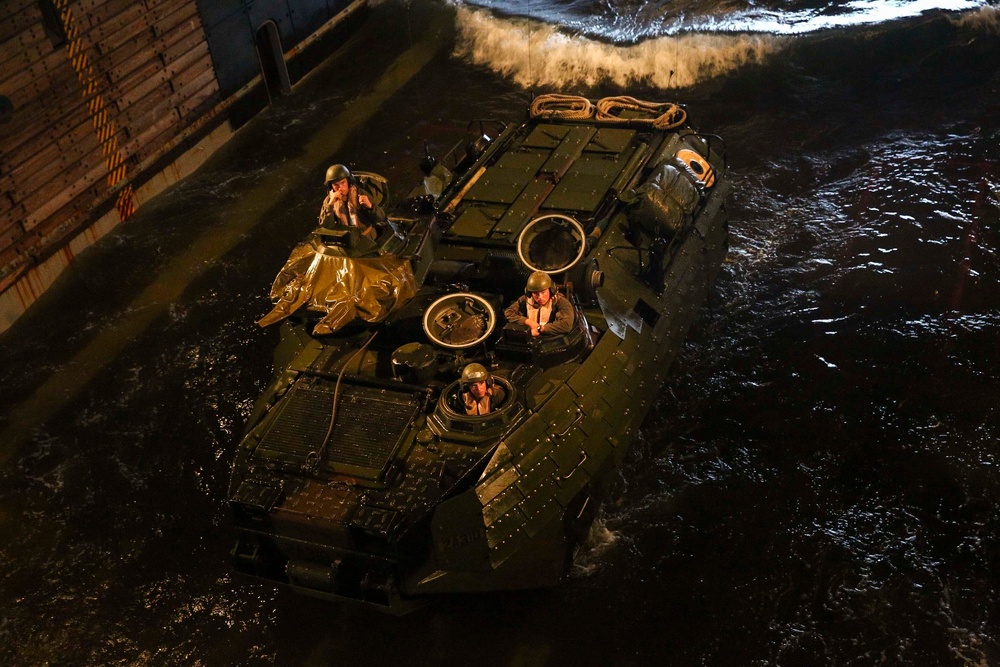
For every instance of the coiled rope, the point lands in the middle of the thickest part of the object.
(574, 107)
(669, 115)
(569, 107)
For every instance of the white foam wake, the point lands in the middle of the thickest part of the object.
(986, 20)
(537, 54)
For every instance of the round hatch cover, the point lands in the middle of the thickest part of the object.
(551, 243)
(459, 320)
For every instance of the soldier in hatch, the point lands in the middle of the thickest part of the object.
(480, 394)
(348, 203)
(541, 309)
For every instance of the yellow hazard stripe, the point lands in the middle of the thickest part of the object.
(104, 125)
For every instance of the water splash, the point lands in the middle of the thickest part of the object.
(588, 557)
(985, 20)
(537, 54)
(811, 20)
(625, 21)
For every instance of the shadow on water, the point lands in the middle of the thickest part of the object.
(817, 484)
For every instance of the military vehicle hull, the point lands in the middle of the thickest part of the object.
(361, 476)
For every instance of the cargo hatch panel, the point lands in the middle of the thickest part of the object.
(586, 183)
(610, 140)
(504, 181)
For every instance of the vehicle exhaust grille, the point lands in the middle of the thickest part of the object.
(371, 425)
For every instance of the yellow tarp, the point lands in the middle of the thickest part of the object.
(342, 287)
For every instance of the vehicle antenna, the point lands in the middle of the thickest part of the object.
(530, 80)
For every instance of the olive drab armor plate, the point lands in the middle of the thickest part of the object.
(366, 471)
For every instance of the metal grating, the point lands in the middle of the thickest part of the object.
(370, 427)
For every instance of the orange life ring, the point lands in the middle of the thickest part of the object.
(698, 166)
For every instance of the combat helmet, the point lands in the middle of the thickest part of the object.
(474, 373)
(538, 281)
(337, 172)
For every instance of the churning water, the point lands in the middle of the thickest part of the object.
(818, 483)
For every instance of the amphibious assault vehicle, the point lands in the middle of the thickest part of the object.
(361, 475)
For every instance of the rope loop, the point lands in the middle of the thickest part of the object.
(607, 110)
(569, 107)
(669, 115)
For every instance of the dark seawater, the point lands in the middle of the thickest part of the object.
(818, 483)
